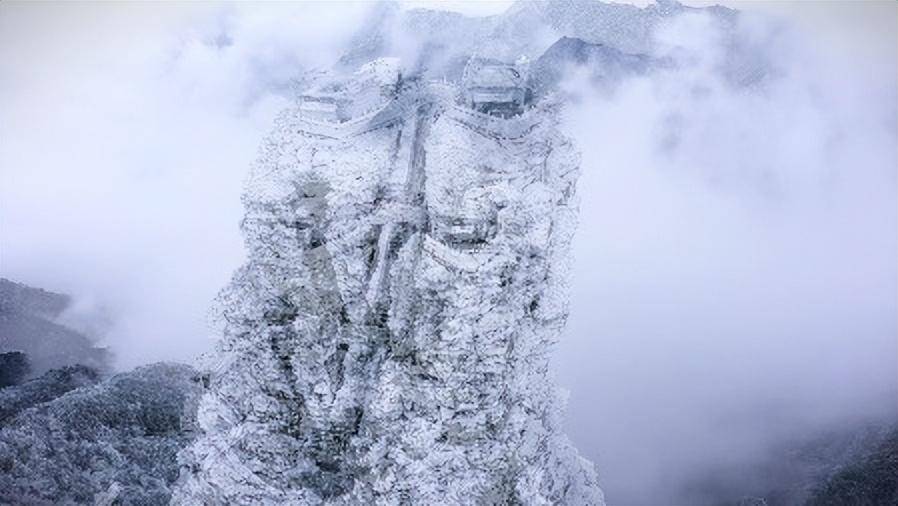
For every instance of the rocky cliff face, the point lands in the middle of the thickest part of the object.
(388, 340)
(407, 228)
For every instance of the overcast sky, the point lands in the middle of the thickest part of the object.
(728, 292)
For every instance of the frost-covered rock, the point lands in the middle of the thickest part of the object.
(407, 228)
(388, 340)
(111, 443)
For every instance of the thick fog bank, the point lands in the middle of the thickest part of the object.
(127, 131)
(735, 285)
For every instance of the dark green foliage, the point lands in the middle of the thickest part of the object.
(872, 481)
(13, 368)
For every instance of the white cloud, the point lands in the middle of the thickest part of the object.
(127, 130)
(736, 280)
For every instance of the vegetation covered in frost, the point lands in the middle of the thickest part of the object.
(66, 439)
